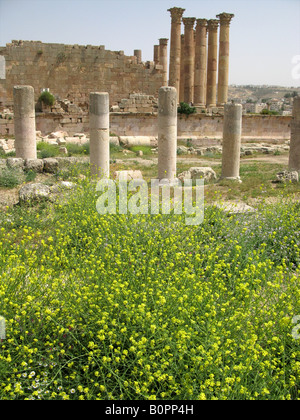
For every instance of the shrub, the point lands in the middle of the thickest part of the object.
(47, 98)
(186, 109)
(9, 178)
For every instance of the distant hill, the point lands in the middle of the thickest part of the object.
(255, 93)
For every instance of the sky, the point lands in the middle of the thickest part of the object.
(264, 34)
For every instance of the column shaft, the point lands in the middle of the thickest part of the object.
(167, 133)
(24, 122)
(200, 63)
(212, 58)
(232, 132)
(223, 75)
(156, 54)
(99, 134)
(138, 55)
(175, 47)
(189, 59)
(294, 158)
(163, 58)
(181, 86)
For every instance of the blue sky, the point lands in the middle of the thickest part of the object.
(264, 37)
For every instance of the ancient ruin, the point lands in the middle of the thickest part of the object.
(294, 159)
(167, 133)
(99, 133)
(232, 141)
(24, 113)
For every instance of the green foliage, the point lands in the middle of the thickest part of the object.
(46, 150)
(268, 112)
(186, 109)
(47, 98)
(145, 149)
(145, 307)
(10, 178)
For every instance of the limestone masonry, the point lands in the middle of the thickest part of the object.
(73, 71)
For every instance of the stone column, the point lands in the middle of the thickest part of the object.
(181, 86)
(167, 133)
(223, 76)
(294, 159)
(24, 122)
(99, 134)
(189, 58)
(156, 54)
(200, 63)
(138, 55)
(175, 47)
(212, 57)
(232, 132)
(163, 58)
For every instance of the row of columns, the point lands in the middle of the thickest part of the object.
(194, 67)
(25, 134)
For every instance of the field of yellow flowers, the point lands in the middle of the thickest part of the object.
(145, 307)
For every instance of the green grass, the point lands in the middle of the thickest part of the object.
(10, 178)
(145, 307)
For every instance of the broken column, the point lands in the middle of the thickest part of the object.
(24, 122)
(163, 58)
(294, 159)
(138, 55)
(99, 134)
(212, 57)
(189, 59)
(200, 63)
(175, 47)
(156, 54)
(231, 150)
(167, 133)
(223, 74)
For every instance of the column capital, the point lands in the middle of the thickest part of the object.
(225, 18)
(212, 24)
(189, 22)
(176, 14)
(201, 22)
(163, 41)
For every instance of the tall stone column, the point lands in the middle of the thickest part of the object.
(181, 86)
(163, 58)
(167, 133)
(223, 75)
(175, 47)
(99, 134)
(138, 55)
(231, 149)
(294, 159)
(156, 54)
(212, 61)
(24, 122)
(189, 58)
(200, 63)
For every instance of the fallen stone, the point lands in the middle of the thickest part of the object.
(287, 177)
(131, 174)
(34, 192)
(15, 163)
(36, 165)
(62, 185)
(58, 134)
(206, 173)
(233, 207)
(50, 165)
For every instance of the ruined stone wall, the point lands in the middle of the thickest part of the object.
(254, 127)
(73, 71)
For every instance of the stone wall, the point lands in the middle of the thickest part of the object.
(254, 127)
(73, 71)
